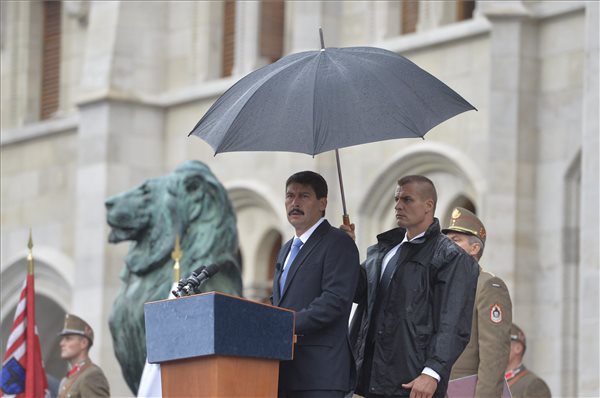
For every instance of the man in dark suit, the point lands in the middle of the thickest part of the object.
(316, 276)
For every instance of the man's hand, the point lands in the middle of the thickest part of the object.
(422, 387)
(349, 229)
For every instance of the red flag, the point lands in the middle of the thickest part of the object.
(23, 373)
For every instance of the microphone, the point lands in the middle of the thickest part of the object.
(196, 279)
(182, 282)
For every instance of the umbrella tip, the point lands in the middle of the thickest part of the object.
(321, 36)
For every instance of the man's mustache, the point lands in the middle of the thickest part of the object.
(296, 211)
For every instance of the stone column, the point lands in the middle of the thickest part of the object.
(511, 209)
(247, 44)
(386, 19)
(208, 40)
(589, 323)
(119, 145)
(433, 14)
(21, 63)
(302, 22)
(502, 217)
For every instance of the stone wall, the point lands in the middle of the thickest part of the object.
(135, 80)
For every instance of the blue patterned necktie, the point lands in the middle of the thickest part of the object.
(296, 245)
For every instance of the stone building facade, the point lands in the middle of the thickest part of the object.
(98, 96)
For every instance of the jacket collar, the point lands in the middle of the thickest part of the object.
(307, 247)
(394, 236)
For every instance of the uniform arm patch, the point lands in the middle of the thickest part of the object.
(496, 313)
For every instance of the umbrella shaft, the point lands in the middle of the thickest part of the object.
(339, 168)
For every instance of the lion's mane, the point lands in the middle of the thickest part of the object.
(191, 203)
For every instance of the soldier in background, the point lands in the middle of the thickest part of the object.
(523, 383)
(488, 350)
(84, 379)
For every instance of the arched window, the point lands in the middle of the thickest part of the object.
(228, 37)
(268, 249)
(50, 59)
(409, 16)
(460, 201)
(259, 235)
(271, 29)
(464, 9)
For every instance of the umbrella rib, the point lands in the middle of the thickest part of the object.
(399, 120)
(416, 94)
(258, 86)
(314, 104)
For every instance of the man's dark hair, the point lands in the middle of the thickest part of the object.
(312, 179)
(426, 187)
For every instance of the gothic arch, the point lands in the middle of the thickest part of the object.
(54, 273)
(261, 225)
(54, 277)
(460, 200)
(453, 173)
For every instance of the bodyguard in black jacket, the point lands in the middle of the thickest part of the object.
(415, 296)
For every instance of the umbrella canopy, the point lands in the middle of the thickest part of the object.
(316, 101)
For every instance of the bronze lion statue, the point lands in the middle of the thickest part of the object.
(191, 203)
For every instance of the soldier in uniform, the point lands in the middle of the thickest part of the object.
(487, 353)
(523, 383)
(84, 379)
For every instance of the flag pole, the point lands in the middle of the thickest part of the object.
(30, 328)
(176, 256)
(30, 255)
(22, 366)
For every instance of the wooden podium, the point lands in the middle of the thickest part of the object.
(216, 345)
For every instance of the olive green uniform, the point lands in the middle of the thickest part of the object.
(487, 353)
(88, 382)
(85, 379)
(527, 384)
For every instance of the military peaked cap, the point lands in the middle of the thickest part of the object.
(516, 334)
(464, 221)
(76, 325)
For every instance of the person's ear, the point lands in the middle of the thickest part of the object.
(519, 348)
(430, 205)
(474, 249)
(323, 203)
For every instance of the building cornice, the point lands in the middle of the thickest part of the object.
(39, 129)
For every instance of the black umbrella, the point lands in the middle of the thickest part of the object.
(317, 101)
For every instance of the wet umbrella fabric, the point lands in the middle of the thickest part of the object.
(316, 101)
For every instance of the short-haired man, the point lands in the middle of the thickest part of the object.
(415, 301)
(486, 354)
(523, 382)
(316, 276)
(84, 379)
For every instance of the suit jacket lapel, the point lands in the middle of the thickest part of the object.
(305, 250)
